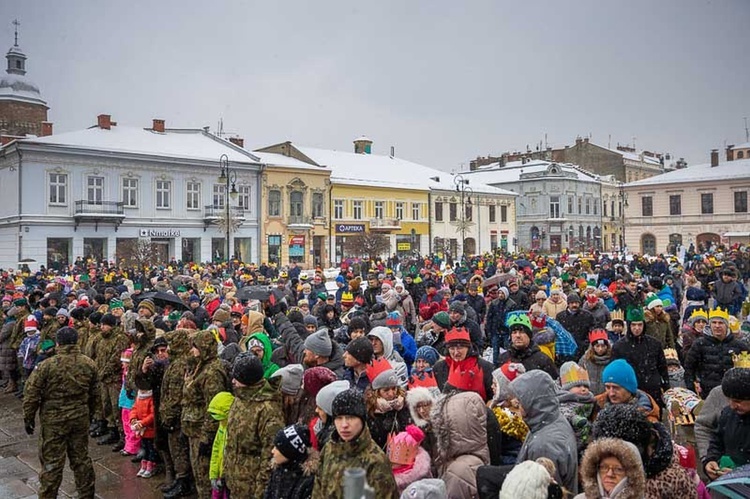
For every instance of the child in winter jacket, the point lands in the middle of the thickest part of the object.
(409, 460)
(293, 465)
(143, 423)
(132, 439)
(576, 402)
(28, 347)
(218, 408)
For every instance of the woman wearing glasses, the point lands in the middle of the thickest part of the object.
(612, 469)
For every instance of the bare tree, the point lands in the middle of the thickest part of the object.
(137, 253)
(367, 244)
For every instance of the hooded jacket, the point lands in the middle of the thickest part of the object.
(598, 311)
(550, 433)
(397, 363)
(268, 366)
(108, 351)
(460, 422)
(219, 410)
(170, 403)
(659, 327)
(294, 344)
(202, 383)
(146, 333)
(634, 483)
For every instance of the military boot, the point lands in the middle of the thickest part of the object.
(101, 429)
(11, 387)
(183, 487)
(112, 438)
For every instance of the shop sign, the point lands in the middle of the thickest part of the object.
(403, 246)
(296, 240)
(159, 233)
(350, 228)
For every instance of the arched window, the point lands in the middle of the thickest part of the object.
(648, 244)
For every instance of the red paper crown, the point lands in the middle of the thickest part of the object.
(376, 367)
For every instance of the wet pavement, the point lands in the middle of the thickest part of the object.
(19, 464)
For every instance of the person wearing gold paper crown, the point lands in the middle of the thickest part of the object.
(410, 462)
(728, 447)
(711, 354)
(692, 329)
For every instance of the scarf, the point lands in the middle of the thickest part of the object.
(384, 405)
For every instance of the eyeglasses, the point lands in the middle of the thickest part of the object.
(603, 469)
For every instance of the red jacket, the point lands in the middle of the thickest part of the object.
(143, 411)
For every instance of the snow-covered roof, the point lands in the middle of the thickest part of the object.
(730, 170)
(745, 145)
(385, 171)
(279, 160)
(194, 144)
(19, 88)
(511, 172)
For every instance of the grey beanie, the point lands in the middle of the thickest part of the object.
(291, 378)
(504, 291)
(427, 488)
(386, 379)
(62, 311)
(319, 343)
(310, 319)
(324, 398)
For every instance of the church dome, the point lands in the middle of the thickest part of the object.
(15, 85)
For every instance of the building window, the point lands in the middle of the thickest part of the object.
(554, 206)
(400, 210)
(438, 211)
(317, 204)
(452, 212)
(163, 192)
(579, 205)
(379, 210)
(493, 213)
(675, 204)
(130, 192)
(503, 213)
(338, 209)
(415, 211)
(295, 204)
(570, 204)
(94, 190)
(740, 201)
(588, 206)
(58, 187)
(707, 203)
(219, 196)
(647, 206)
(740, 154)
(604, 208)
(193, 195)
(612, 205)
(595, 202)
(357, 210)
(243, 198)
(274, 203)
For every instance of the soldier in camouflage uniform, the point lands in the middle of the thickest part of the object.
(144, 340)
(64, 390)
(49, 324)
(351, 446)
(81, 325)
(202, 382)
(109, 349)
(253, 421)
(22, 311)
(170, 409)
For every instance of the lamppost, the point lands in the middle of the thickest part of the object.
(229, 178)
(464, 221)
(623, 205)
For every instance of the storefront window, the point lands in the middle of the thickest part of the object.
(242, 248)
(58, 252)
(95, 249)
(296, 248)
(191, 249)
(274, 248)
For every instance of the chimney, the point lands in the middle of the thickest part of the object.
(578, 141)
(238, 141)
(363, 145)
(104, 121)
(714, 157)
(158, 126)
(586, 140)
(46, 129)
(730, 153)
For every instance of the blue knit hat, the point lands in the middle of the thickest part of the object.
(621, 373)
(427, 353)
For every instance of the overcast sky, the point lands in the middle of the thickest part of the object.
(442, 81)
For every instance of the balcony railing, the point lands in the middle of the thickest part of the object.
(216, 211)
(385, 223)
(299, 220)
(85, 207)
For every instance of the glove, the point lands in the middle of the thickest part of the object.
(29, 427)
(204, 449)
(217, 484)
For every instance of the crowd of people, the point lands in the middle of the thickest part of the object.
(512, 376)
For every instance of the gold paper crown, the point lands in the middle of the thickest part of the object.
(742, 360)
(698, 313)
(401, 452)
(719, 313)
(576, 374)
(618, 315)
(671, 354)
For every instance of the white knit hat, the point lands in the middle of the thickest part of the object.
(528, 480)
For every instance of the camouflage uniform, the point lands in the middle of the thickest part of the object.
(142, 349)
(89, 348)
(49, 329)
(18, 330)
(362, 452)
(201, 385)
(64, 390)
(109, 371)
(254, 418)
(83, 334)
(170, 408)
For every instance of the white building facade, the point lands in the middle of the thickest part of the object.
(94, 192)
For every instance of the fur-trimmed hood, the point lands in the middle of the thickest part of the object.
(651, 317)
(419, 395)
(459, 420)
(629, 458)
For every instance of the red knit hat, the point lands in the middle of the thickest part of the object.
(511, 371)
(457, 335)
(30, 324)
(598, 334)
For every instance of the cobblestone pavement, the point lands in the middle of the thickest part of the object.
(19, 464)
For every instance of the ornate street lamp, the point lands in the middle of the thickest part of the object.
(229, 178)
(464, 221)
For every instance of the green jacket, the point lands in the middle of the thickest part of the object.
(63, 388)
(219, 410)
(362, 452)
(254, 419)
(108, 351)
(201, 385)
(268, 367)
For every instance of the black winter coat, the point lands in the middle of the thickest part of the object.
(708, 359)
(290, 481)
(579, 325)
(479, 305)
(531, 358)
(383, 424)
(645, 354)
(731, 438)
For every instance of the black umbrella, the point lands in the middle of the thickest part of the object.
(735, 484)
(522, 262)
(247, 293)
(163, 299)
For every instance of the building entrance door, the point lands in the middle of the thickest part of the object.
(555, 244)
